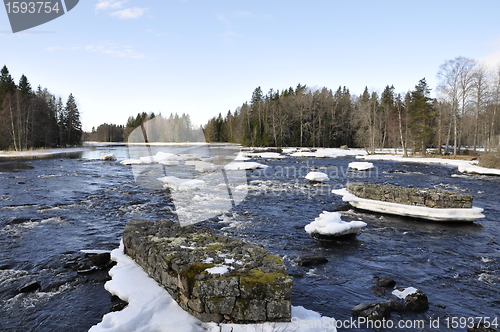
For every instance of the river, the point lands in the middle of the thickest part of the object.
(51, 209)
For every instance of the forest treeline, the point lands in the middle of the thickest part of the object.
(464, 114)
(173, 128)
(35, 118)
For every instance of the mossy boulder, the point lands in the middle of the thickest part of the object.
(214, 277)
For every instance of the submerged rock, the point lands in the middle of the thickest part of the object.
(385, 282)
(378, 290)
(373, 311)
(29, 287)
(312, 260)
(409, 300)
(100, 259)
(117, 304)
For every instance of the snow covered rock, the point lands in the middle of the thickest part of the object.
(331, 224)
(414, 299)
(317, 177)
(312, 260)
(361, 166)
(108, 156)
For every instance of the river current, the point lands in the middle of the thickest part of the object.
(51, 209)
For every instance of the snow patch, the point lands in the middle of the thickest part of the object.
(220, 269)
(402, 294)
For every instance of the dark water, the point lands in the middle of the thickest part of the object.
(51, 209)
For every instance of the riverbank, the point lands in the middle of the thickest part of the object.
(38, 153)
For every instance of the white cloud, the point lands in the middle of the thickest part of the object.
(129, 13)
(109, 4)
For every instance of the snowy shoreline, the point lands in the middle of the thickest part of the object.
(463, 166)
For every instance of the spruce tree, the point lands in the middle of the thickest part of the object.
(24, 85)
(7, 84)
(422, 115)
(72, 122)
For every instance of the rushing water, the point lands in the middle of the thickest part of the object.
(51, 209)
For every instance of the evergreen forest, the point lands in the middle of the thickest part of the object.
(32, 119)
(464, 114)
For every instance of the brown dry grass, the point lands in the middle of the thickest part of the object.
(490, 160)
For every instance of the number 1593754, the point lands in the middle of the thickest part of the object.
(21, 7)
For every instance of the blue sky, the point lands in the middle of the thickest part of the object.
(119, 58)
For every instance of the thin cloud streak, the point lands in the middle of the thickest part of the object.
(130, 13)
(109, 4)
